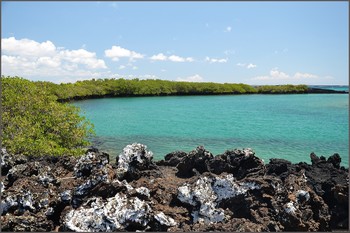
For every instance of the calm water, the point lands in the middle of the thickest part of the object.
(280, 126)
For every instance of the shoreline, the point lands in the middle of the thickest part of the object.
(195, 191)
(309, 91)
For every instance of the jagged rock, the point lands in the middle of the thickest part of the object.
(172, 159)
(133, 160)
(116, 213)
(206, 193)
(89, 162)
(335, 160)
(233, 191)
(195, 162)
(240, 163)
(7, 161)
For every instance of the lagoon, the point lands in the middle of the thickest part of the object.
(274, 126)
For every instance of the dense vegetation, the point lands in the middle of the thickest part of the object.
(282, 89)
(34, 123)
(135, 87)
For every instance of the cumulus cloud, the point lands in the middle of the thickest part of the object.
(176, 58)
(159, 57)
(26, 47)
(29, 58)
(194, 78)
(173, 58)
(248, 66)
(216, 60)
(228, 29)
(278, 77)
(117, 52)
(81, 56)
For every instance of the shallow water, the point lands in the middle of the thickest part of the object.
(275, 126)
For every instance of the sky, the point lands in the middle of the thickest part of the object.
(226, 42)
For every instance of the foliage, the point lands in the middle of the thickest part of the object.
(135, 87)
(155, 87)
(282, 89)
(34, 123)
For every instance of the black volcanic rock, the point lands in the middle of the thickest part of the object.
(233, 191)
(335, 160)
(195, 162)
(240, 163)
(135, 161)
(172, 159)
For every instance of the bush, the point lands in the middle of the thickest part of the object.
(34, 123)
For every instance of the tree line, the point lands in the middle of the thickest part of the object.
(155, 87)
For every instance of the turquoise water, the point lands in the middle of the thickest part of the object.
(274, 126)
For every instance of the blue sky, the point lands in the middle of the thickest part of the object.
(235, 42)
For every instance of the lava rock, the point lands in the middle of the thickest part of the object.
(196, 162)
(335, 160)
(133, 160)
(241, 163)
(116, 213)
(172, 159)
(233, 191)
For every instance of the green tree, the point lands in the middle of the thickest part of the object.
(34, 123)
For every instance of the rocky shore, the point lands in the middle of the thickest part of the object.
(196, 191)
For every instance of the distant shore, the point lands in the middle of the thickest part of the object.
(308, 91)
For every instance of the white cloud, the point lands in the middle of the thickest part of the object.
(134, 67)
(189, 59)
(81, 56)
(240, 64)
(159, 57)
(274, 73)
(117, 52)
(299, 75)
(26, 47)
(176, 58)
(278, 77)
(248, 66)
(173, 58)
(29, 58)
(48, 61)
(194, 78)
(228, 29)
(216, 60)
(121, 67)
